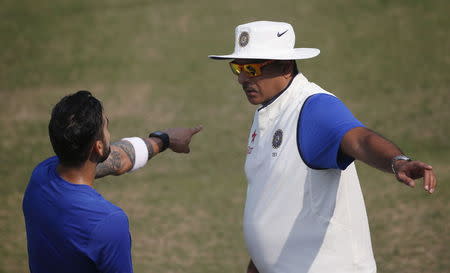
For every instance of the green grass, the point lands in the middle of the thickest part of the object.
(146, 60)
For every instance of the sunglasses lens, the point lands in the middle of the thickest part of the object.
(235, 68)
(250, 69)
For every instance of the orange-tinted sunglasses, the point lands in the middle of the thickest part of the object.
(253, 70)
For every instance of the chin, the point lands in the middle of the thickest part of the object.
(254, 101)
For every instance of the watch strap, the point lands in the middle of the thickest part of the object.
(398, 157)
(164, 138)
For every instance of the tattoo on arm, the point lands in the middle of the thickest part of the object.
(114, 164)
(127, 147)
(110, 165)
(151, 152)
(122, 155)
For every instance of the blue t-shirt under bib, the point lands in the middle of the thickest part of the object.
(324, 120)
(72, 228)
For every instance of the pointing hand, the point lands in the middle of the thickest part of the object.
(180, 138)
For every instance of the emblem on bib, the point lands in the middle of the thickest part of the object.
(277, 139)
(243, 39)
(253, 136)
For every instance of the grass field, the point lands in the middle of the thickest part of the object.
(146, 60)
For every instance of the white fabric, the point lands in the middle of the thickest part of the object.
(140, 151)
(267, 40)
(299, 219)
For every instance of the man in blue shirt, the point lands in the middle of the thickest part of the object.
(304, 210)
(70, 226)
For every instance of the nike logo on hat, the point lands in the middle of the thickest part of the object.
(281, 34)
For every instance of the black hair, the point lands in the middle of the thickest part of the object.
(76, 123)
(282, 63)
(295, 71)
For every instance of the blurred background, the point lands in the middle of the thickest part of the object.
(147, 61)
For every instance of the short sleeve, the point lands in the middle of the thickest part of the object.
(110, 244)
(324, 120)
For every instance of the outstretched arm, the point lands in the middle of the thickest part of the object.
(122, 156)
(376, 151)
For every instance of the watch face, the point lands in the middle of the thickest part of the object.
(158, 134)
(163, 136)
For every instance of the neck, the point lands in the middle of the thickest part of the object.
(284, 84)
(82, 175)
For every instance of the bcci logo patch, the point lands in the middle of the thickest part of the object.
(243, 39)
(277, 139)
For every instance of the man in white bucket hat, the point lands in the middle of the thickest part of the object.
(304, 210)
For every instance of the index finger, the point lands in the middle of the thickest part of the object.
(427, 180)
(432, 181)
(196, 129)
(423, 165)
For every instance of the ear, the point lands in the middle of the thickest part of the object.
(288, 69)
(99, 148)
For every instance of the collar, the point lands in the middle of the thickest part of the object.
(277, 95)
(272, 109)
(280, 97)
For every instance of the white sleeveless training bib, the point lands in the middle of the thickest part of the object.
(299, 219)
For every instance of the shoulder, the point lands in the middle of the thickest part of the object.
(112, 229)
(321, 100)
(51, 161)
(323, 121)
(325, 109)
(43, 166)
(91, 203)
(116, 221)
(85, 209)
(319, 110)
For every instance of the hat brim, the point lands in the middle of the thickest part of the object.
(294, 54)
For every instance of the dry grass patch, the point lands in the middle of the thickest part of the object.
(12, 235)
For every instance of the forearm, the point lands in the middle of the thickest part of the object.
(122, 157)
(371, 148)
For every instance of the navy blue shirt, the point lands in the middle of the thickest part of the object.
(323, 122)
(72, 228)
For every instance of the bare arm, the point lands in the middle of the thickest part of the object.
(369, 147)
(376, 151)
(121, 159)
(122, 156)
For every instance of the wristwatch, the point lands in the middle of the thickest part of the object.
(399, 157)
(164, 138)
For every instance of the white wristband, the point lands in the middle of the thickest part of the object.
(140, 152)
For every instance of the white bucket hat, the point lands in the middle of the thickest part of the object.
(267, 40)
